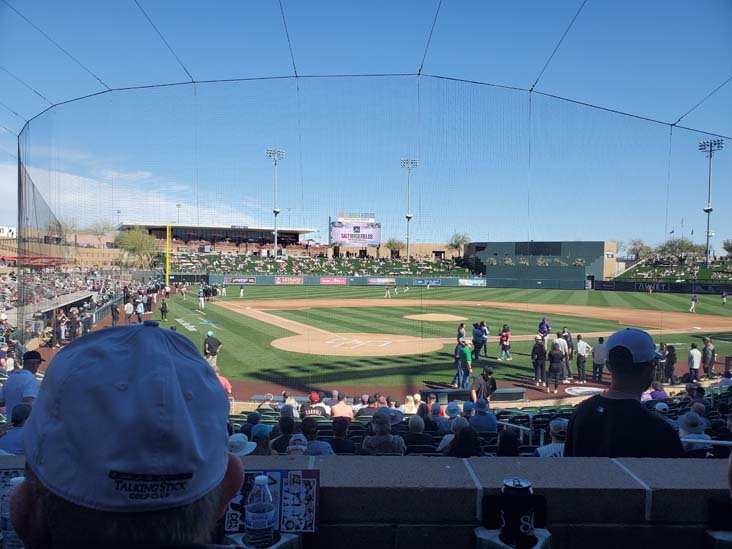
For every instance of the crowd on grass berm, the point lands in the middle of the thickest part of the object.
(169, 479)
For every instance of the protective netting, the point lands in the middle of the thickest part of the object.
(499, 164)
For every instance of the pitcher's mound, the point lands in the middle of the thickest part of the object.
(360, 344)
(434, 317)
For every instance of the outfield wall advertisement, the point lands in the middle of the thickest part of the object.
(240, 280)
(354, 234)
(428, 282)
(381, 281)
(472, 282)
(333, 281)
(288, 281)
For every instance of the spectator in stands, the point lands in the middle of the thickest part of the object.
(418, 402)
(340, 443)
(370, 409)
(22, 385)
(283, 402)
(456, 426)
(363, 404)
(286, 426)
(311, 407)
(260, 435)
(662, 410)
(508, 444)
(333, 400)
(291, 403)
(316, 447)
(615, 423)
(408, 407)
(691, 426)
(381, 401)
(416, 435)
(267, 403)
(211, 348)
(424, 412)
(12, 441)
(726, 380)
(694, 359)
(240, 446)
(383, 442)
(468, 410)
(482, 421)
(701, 409)
(465, 444)
(452, 410)
(95, 508)
(558, 434)
(321, 403)
(298, 446)
(483, 386)
(431, 399)
(443, 425)
(599, 356)
(252, 420)
(224, 382)
(657, 392)
(341, 409)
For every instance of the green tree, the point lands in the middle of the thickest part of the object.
(138, 244)
(457, 242)
(679, 246)
(727, 245)
(100, 229)
(639, 249)
(394, 246)
(68, 229)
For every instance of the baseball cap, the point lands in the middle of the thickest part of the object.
(452, 410)
(168, 403)
(481, 405)
(461, 340)
(240, 446)
(260, 430)
(32, 355)
(468, 406)
(313, 397)
(662, 407)
(298, 441)
(639, 343)
(395, 416)
(435, 408)
(558, 427)
(210, 333)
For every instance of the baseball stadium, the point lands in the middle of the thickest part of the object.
(418, 228)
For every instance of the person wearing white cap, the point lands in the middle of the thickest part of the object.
(662, 410)
(615, 423)
(124, 452)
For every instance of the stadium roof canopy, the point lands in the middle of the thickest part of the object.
(199, 228)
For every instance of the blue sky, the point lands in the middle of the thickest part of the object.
(496, 163)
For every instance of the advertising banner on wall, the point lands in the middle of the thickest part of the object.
(333, 281)
(380, 281)
(350, 234)
(427, 282)
(471, 282)
(288, 280)
(240, 280)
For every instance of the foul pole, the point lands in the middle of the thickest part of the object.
(167, 254)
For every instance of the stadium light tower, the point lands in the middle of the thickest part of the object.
(709, 147)
(275, 155)
(409, 164)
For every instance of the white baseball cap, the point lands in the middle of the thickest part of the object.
(639, 343)
(130, 418)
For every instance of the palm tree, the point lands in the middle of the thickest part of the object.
(394, 246)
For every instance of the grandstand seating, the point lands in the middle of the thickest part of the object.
(231, 262)
(673, 269)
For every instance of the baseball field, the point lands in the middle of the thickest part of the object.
(353, 338)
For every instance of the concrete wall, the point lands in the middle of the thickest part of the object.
(398, 502)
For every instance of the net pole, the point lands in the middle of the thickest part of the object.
(167, 254)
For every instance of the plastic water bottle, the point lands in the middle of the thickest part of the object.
(10, 538)
(259, 517)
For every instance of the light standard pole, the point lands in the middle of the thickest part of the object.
(275, 155)
(118, 213)
(409, 164)
(178, 206)
(709, 147)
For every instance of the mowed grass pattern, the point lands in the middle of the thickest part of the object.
(390, 320)
(248, 355)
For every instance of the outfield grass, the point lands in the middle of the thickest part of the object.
(247, 354)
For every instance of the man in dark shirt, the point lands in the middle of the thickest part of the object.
(369, 410)
(211, 348)
(341, 444)
(615, 424)
(483, 386)
(310, 409)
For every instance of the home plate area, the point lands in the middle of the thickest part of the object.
(356, 344)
